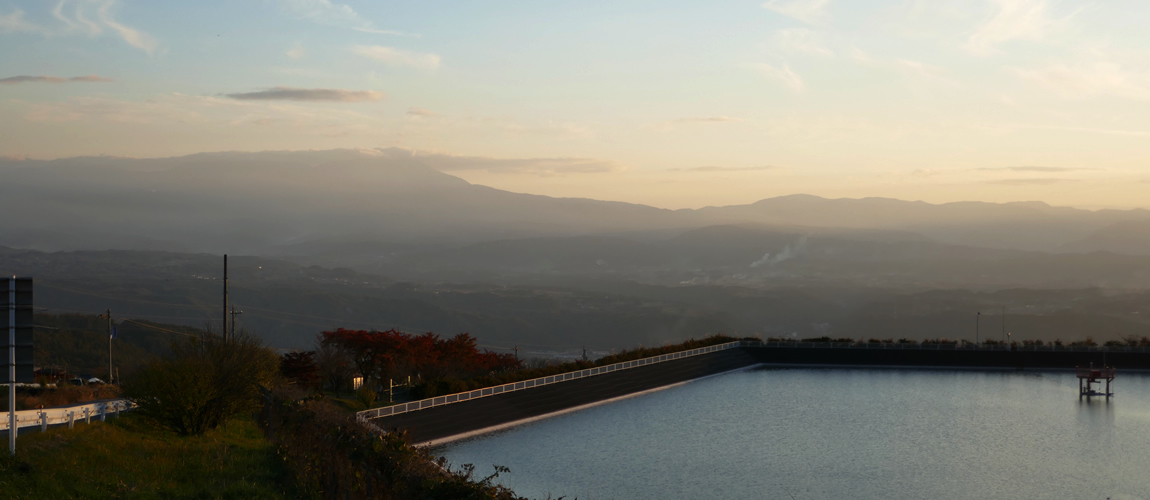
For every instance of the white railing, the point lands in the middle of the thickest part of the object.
(536, 382)
(66, 415)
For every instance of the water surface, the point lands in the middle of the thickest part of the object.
(838, 434)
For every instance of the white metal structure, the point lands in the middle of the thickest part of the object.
(67, 415)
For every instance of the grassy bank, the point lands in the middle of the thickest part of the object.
(128, 457)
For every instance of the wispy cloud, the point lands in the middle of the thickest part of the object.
(1029, 182)
(807, 11)
(80, 17)
(802, 41)
(1012, 20)
(533, 166)
(386, 32)
(398, 57)
(296, 52)
(782, 75)
(1097, 78)
(133, 37)
(419, 112)
(294, 94)
(706, 119)
(14, 22)
(330, 13)
(712, 168)
(13, 80)
(1029, 168)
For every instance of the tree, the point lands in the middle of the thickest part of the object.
(204, 383)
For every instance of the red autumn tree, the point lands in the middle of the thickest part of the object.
(392, 354)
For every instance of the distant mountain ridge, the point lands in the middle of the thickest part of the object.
(313, 202)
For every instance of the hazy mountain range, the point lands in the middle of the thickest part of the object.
(353, 204)
(381, 239)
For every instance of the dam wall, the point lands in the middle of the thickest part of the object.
(456, 416)
(446, 421)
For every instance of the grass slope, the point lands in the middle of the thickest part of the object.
(128, 458)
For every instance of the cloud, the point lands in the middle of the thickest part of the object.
(397, 57)
(294, 94)
(13, 80)
(710, 168)
(782, 75)
(534, 166)
(1029, 182)
(420, 112)
(807, 11)
(14, 23)
(707, 119)
(296, 52)
(1013, 20)
(802, 41)
(80, 17)
(324, 11)
(385, 32)
(1031, 169)
(205, 116)
(330, 13)
(1098, 78)
(133, 37)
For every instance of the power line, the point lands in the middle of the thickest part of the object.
(145, 325)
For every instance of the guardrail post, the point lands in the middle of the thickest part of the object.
(71, 419)
(87, 416)
(103, 413)
(43, 422)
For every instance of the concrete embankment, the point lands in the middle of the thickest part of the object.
(458, 419)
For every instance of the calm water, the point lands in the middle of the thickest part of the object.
(838, 434)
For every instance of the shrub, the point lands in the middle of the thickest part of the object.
(366, 396)
(203, 384)
(331, 455)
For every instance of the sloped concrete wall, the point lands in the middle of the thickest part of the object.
(434, 424)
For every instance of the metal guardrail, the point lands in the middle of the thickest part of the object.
(946, 347)
(536, 382)
(66, 415)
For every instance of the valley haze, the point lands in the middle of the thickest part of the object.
(383, 238)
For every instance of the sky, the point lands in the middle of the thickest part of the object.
(672, 103)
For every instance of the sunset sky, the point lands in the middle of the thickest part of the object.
(670, 103)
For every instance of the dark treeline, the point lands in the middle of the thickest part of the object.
(1127, 341)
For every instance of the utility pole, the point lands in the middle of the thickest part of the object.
(516, 349)
(224, 328)
(977, 317)
(1004, 323)
(108, 316)
(584, 353)
(234, 313)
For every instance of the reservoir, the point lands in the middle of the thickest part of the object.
(837, 433)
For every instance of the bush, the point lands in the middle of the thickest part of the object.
(203, 384)
(331, 455)
(366, 396)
